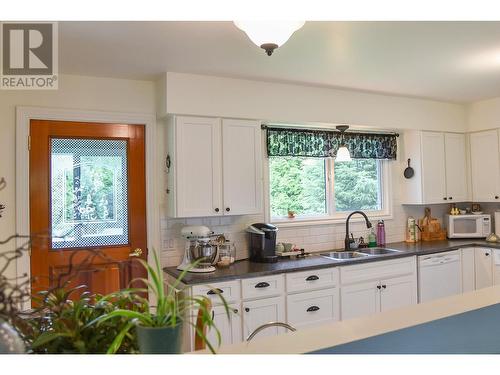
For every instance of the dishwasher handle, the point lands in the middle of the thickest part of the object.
(439, 259)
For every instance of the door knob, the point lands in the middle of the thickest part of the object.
(135, 253)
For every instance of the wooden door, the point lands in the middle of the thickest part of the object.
(242, 167)
(456, 183)
(485, 166)
(87, 204)
(483, 262)
(433, 167)
(398, 292)
(360, 299)
(262, 311)
(198, 187)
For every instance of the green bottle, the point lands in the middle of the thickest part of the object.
(372, 239)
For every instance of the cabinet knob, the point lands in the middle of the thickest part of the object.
(445, 198)
(235, 311)
(496, 196)
(228, 209)
(217, 209)
(247, 309)
(450, 198)
(487, 254)
(384, 286)
(379, 287)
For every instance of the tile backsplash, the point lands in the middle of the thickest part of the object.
(310, 237)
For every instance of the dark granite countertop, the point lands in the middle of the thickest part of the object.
(245, 269)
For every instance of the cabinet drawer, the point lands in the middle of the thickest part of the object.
(377, 270)
(314, 307)
(230, 290)
(266, 286)
(311, 280)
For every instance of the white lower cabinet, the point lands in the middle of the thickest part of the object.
(312, 308)
(370, 288)
(230, 328)
(360, 299)
(483, 267)
(468, 282)
(262, 311)
(398, 292)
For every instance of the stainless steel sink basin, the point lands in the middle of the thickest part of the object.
(378, 251)
(344, 255)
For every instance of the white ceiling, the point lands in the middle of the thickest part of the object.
(453, 61)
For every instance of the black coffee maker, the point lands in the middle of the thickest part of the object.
(263, 242)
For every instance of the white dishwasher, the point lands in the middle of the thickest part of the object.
(439, 275)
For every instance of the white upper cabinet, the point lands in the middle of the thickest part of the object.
(455, 162)
(196, 167)
(439, 163)
(433, 167)
(485, 165)
(215, 167)
(242, 166)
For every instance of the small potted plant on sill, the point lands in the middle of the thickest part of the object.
(159, 328)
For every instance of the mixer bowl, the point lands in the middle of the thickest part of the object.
(203, 253)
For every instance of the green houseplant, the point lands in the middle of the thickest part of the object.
(61, 322)
(159, 327)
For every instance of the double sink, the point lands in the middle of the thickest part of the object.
(359, 254)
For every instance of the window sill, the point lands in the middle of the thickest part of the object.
(305, 222)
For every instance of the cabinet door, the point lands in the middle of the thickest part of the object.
(484, 166)
(198, 166)
(483, 267)
(242, 167)
(468, 270)
(398, 292)
(262, 311)
(229, 328)
(312, 308)
(496, 267)
(360, 299)
(433, 167)
(456, 183)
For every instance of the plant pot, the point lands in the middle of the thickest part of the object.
(10, 342)
(159, 340)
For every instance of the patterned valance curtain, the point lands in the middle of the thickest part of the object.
(325, 143)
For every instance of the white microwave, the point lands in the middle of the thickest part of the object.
(468, 226)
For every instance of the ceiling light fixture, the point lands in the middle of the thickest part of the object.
(269, 35)
(342, 153)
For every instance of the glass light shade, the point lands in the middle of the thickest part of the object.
(343, 154)
(269, 32)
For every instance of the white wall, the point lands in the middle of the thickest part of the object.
(483, 115)
(229, 97)
(75, 92)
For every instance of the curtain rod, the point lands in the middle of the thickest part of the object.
(264, 126)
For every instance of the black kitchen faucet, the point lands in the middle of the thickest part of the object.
(347, 239)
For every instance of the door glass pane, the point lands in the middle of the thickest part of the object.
(88, 193)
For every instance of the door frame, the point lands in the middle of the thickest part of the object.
(25, 114)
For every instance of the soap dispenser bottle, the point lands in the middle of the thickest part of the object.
(372, 239)
(381, 233)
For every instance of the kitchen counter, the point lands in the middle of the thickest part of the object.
(245, 269)
(464, 323)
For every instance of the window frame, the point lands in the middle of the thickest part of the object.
(332, 216)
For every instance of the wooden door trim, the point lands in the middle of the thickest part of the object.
(24, 115)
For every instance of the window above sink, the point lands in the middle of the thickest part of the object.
(321, 190)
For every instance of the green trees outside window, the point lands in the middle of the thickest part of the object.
(301, 185)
